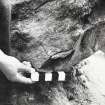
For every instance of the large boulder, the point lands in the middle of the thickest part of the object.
(42, 29)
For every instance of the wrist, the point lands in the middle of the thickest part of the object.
(3, 58)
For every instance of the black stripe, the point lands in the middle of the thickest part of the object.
(41, 76)
(55, 76)
(68, 76)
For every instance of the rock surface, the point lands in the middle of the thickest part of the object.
(55, 35)
(93, 74)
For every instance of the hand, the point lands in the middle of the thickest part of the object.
(13, 69)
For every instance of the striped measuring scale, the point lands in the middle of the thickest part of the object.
(50, 76)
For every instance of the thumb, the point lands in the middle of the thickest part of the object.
(22, 79)
(26, 69)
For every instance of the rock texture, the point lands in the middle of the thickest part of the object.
(93, 74)
(55, 35)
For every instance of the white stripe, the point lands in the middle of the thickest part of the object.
(35, 76)
(48, 76)
(61, 76)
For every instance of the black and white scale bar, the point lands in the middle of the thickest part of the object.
(49, 76)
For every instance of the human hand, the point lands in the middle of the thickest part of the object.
(13, 69)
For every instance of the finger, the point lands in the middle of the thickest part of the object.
(26, 69)
(20, 78)
(27, 63)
